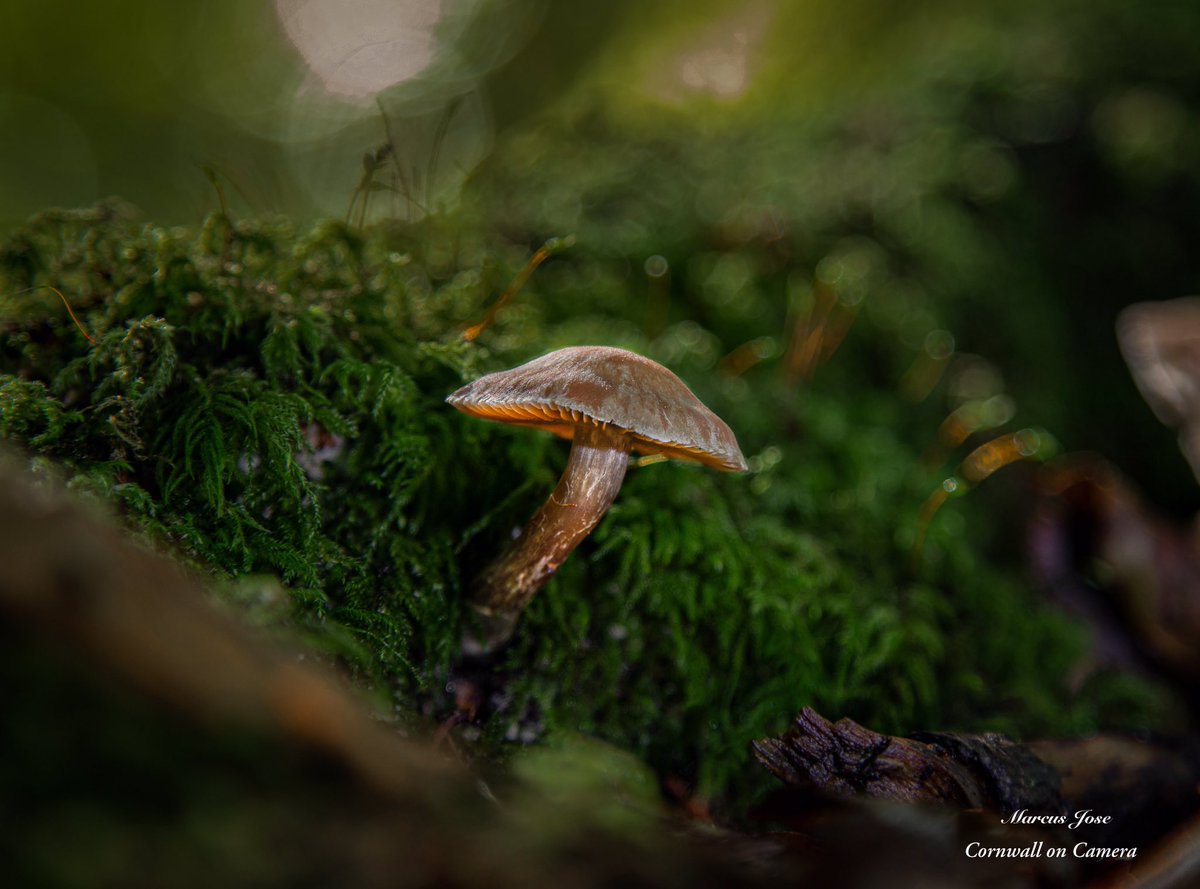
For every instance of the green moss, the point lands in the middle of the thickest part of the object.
(221, 366)
(702, 613)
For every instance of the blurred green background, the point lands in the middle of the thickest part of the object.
(1066, 131)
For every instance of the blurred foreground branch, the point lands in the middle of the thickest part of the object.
(149, 740)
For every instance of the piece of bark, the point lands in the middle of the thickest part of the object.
(1143, 787)
(968, 772)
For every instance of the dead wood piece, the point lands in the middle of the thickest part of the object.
(1138, 789)
(968, 771)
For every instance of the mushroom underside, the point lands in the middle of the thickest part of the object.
(566, 423)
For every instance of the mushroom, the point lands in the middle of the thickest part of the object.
(609, 402)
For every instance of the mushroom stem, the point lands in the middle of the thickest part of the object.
(588, 486)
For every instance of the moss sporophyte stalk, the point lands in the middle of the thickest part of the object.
(608, 402)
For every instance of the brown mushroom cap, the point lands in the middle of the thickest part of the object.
(610, 388)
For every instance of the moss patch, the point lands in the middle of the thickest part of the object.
(701, 614)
